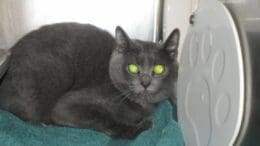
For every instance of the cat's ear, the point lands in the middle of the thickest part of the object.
(172, 42)
(122, 40)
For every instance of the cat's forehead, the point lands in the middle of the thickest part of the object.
(144, 46)
(147, 52)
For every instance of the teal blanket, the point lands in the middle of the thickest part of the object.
(14, 132)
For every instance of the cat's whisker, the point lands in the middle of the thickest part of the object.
(117, 97)
(124, 98)
(120, 95)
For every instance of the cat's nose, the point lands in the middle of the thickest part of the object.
(145, 80)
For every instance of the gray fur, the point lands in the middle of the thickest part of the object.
(76, 75)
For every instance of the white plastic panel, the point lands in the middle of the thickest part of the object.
(211, 84)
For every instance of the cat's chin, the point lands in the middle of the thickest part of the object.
(145, 95)
(152, 97)
(148, 93)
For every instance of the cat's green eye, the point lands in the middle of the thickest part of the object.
(159, 69)
(133, 68)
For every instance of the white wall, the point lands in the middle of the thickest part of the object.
(18, 17)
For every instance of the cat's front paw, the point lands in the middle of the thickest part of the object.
(133, 132)
(147, 124)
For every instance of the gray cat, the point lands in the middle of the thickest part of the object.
(78, 75)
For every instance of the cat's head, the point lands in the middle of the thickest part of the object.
(144, 72)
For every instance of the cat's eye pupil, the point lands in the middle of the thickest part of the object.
(159, 69)
(133, 68)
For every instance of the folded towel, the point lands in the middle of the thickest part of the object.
(14, 132)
